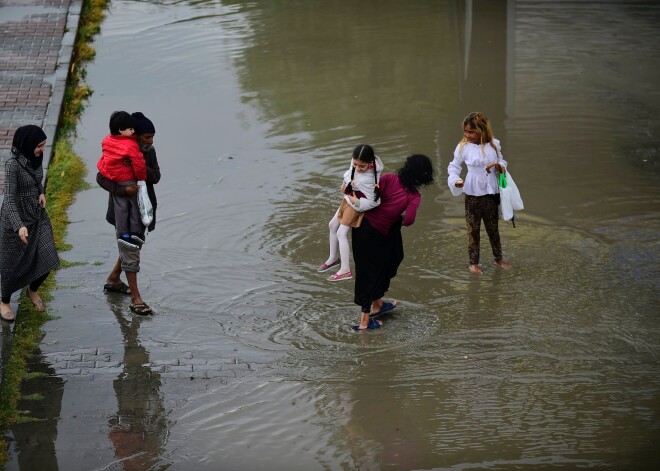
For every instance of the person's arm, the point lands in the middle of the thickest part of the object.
(501, 163)
(138, 162)
(366, 186)
(454, 168)
(500, 157)
(411, 210)
(110, 186)
(11, 184)
(153, 170)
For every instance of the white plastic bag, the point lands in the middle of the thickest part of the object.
(510, 199)
(144, 204)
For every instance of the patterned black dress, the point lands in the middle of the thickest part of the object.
(21, 264)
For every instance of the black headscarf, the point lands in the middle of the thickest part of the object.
(26, 140)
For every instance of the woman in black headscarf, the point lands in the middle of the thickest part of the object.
(27, 246)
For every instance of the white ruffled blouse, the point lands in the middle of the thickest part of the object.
(476, 157)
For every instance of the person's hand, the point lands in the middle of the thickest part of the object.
(499, 167)
(354, 199)
(459, 183)
(343, 188)
(42, 200)
(131, 190)
(23, 234)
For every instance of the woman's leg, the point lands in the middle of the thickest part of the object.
(34, 286)
(473, 223)
(333, 226)
(5, 309)
(377, 258)
(491, 223)
(344, 249)
(32, 294)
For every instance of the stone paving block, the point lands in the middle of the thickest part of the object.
(107, 364)
(193, 361)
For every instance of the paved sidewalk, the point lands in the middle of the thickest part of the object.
(36, 44)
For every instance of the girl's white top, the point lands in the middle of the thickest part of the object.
(475, 157)
(364, 183)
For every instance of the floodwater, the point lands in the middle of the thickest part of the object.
(250, 362)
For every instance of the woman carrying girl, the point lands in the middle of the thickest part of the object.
(27, 246)
(481, 153)
(377, 243)
(360, 193)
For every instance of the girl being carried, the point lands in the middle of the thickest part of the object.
(360, 194)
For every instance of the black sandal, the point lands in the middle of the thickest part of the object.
(118, 288)
(141, 309)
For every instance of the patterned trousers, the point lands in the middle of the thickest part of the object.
(478, 208)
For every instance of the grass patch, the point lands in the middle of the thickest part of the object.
(65, 177)
(68, 264)
(33, 397)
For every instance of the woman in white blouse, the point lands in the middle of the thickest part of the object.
(480, 152)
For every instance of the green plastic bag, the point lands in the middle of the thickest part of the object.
(502, 180)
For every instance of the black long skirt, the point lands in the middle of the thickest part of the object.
(377, 258)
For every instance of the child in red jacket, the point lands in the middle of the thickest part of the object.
(123, 162)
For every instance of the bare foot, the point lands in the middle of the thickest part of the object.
(6, 313)
(475, 269)
(504, 265)
(37, 302)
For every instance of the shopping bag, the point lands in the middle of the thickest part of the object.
(510, 199)
(144, 204)
(516, 200)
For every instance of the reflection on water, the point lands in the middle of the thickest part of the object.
(257, 106)
(33, 442)
(138, 430)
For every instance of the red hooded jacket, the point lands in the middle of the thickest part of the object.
(113, 165)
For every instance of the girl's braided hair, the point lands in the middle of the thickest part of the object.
(365, 153)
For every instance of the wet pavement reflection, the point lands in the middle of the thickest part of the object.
(140, 427)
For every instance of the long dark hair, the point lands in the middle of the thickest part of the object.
(365, 153)
(417, 171)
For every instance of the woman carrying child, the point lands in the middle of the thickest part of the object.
(360, 193)
(480, 152)
(377, 243)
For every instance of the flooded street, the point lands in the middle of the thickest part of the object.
(250, 362)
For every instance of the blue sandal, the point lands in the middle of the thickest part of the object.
(385, 307)
(373, 324)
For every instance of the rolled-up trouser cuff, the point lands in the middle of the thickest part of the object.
(130, 258)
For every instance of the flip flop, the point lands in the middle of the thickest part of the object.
(373, 324)
(385, 307)
(141, 309)
(119, 288)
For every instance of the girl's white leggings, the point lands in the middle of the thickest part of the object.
(339, 242)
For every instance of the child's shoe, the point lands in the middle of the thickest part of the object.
(125, 239)
(344, 276)
(325, 266)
